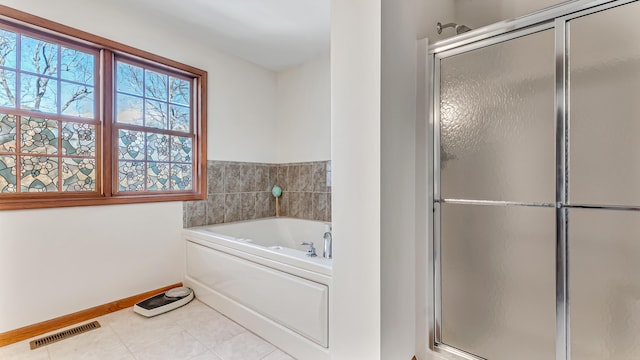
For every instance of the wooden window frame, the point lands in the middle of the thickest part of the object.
(106, 137)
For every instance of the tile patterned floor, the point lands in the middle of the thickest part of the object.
(192, 332)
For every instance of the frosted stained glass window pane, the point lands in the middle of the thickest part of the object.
(497, 122)
(604, 260)
(181, 148)
(78, 139)
(38, 174)
(78, 174)
(131, 145)
(181, 176)
(157, 147)
(7, 174)
(131, 175)
(39, 136)
(7, 133)
(498, 280)
(605, 111)
(158, 176)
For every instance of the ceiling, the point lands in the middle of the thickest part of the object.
(275, 34)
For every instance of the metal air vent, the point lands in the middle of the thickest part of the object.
(63, 335)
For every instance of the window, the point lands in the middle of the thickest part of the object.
(48, 116)
(153, 121)
(85, 121)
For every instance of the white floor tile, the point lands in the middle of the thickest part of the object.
(245, 346)
(192, 332)
(193, 310)
(139, 332)
(211, 329)
(22, 351)
(96, 344)
(209, 355)
(278, 355)
(180, 346)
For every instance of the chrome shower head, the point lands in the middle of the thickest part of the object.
(459, 28)
(439, 26)
(462, 29)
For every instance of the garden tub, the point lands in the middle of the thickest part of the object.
(257, 273)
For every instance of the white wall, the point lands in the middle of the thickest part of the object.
(355, 132)
(429, 13)
(303, 107)
(242, 111)
(55, 262)
(72, 257)
(378, 152)
(398, 124)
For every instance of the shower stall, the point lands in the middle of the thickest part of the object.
(536, 186)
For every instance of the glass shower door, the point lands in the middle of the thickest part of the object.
(537, 190)
(497, 280)
(496, 199)
(604, 191)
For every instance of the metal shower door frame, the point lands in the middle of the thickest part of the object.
(556, 18)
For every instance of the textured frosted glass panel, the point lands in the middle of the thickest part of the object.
(497, 122)
(604, 260)
(498, 281)
(605, 111)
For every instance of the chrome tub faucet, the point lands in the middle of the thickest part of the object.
(311, 251)
(327, 251)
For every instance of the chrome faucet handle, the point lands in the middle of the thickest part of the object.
(311, 251)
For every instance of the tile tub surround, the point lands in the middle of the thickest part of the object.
(242, 191)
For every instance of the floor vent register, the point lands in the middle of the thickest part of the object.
(37, 343)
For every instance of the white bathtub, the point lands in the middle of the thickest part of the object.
(257, 273)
